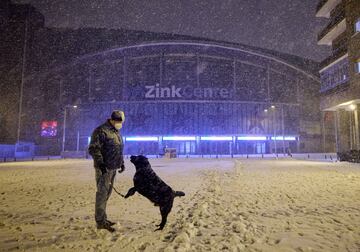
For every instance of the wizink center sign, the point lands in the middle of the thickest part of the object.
(187, 92)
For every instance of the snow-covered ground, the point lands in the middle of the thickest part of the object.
(230, 205)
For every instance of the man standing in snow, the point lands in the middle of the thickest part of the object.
(106, 148)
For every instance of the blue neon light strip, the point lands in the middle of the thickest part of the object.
(251, 138)
(210, 138)
(141, 139)
(179, 138)
(286, 138)
(216, 138)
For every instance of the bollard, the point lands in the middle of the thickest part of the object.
(4, 159)
(48, 157)
(277, 155)
(232, 155)
(32, 158)
(262, 155)
(14, 159)
(325, 156)
(217, 156)
(308, 155)
(247, 155)
(331, 157)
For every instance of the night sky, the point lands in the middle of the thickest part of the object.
(288, 26)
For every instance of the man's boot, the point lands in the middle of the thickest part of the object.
(110, 223)
(106, 226)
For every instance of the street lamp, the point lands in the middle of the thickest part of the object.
(64, 124)
(274, 126)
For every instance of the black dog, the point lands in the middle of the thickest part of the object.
(148, 184)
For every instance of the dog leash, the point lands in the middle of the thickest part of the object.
(122, 195)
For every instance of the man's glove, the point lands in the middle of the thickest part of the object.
(103, 168)
(122, 168)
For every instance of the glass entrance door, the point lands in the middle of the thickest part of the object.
(182, 147)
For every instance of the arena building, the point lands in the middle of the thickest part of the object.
(197, 95)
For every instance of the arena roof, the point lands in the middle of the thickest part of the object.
(59, 46)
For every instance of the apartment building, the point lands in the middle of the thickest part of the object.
(340, 74)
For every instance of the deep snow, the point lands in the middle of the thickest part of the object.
(230, 205)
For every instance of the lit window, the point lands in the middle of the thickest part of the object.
(357, 67)
(357, 25)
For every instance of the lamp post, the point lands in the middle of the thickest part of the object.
(64, 125)
(274, 126)
(23, 69)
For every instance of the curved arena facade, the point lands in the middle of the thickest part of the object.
(198, 97)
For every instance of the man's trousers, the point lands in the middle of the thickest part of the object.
(104, 184)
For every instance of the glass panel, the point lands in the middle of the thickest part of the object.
(357, 25)
(335, 75)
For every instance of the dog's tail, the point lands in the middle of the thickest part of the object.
(179, 194)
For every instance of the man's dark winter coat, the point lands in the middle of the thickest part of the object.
(106, 147)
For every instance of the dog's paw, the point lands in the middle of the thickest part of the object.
(159, 229)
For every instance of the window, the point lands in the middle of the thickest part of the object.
(335, 75)
(357, 67)
(357, 25)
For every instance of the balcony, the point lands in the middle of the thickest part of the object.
(335, 75)
(320, 5)
(325, 7)
(336, 26)
(337, 54)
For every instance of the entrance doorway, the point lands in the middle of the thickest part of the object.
(182, 147)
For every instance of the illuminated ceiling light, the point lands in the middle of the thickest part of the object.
(134, 139)
(251, 138)
(290, 138)
(75, 106)
(216, 138)
(345, 103)
(265, 110)
(277, 138)
(272, 106)
(352, 106)
(179, 138)
(286, 138)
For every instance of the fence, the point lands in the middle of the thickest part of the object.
(7, 151)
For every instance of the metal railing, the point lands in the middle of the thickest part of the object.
(339, 52)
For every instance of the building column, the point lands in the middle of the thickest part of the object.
(343, 130)
(356, 130)
(351, 131)
(336, 122)
(323, 130)
(283, 128)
